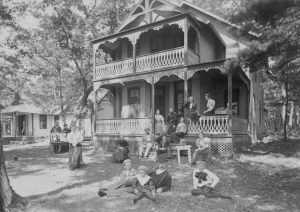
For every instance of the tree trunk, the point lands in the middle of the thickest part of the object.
(8, 197)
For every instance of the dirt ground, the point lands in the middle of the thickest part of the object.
(257, 183)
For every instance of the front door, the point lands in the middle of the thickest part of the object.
(22, 124)
(160, 100)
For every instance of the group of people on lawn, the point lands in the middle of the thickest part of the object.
(74, 137)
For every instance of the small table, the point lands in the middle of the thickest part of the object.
(186, 147)
(57, 144)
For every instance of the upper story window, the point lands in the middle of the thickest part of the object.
(133, 96)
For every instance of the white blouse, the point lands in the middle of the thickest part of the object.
(211, 104)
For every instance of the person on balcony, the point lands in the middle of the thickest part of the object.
(203, 152)
(75, 138)
(191, 109)
(123, 186)
(159, 123)
(121, 150)
(210, 106)
(164, 146)
(146, 143)
(180, 131)
(171, 122)
(204, 182)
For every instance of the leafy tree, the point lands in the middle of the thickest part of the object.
(276, 50)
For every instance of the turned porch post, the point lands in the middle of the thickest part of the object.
(153, 104)
(134, 53)
(185, 95)
(229, 103)
(185, 32)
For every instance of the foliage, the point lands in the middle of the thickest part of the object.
(275, 51)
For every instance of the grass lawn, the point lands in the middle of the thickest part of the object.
(257, 183)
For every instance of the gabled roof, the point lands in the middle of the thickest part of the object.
(22, 108)
(143, 7)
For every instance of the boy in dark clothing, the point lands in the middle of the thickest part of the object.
(160, 176)
(164, 146)
(143, 186)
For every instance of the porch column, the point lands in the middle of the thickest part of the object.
(229, 103)
(153, 104)
(96, 86)
(32, 123)
(134, 53)
(185, 95)
(1, 128)
(185, 32)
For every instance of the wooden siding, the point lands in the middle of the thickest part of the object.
(207, 47)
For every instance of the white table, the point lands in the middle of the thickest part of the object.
(186, 147)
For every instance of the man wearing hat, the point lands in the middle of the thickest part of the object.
(160, 176)
(146, 143)
(164, 146)
(124, 185)
(66, 130)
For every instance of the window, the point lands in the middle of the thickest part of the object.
(134, 102)
(56, 118)
(43, 121)
(235, 100)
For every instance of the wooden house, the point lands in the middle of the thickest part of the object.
(160, 55)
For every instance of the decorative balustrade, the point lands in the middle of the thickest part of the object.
(126, 126)
(239, 125)
(193, 58)
(209, 125)
(114, 69)
(159, 60)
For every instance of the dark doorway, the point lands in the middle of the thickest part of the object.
(22, 124)
(160, 99)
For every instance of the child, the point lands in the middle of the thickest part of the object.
(203, 152)
(204, 181)
(143, 186)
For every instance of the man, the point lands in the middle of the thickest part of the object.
(204, 182)
(56, 127)
(164, 146)
(66, 130)
(122, 187)
(146, 143)
(171, 122)
(160, 176)
(180, 131)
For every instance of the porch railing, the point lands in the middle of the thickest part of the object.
(169, 58)
(126, 126)
(239, 125)
(209, 125)
(114, 69)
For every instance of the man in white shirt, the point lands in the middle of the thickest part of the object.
(204, 181)
(147, 142)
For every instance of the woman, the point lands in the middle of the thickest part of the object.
(75, 137)
(121, 150)
(203, 152)
(159, 123)
(210, 105)
(180, 131)
(191, 108)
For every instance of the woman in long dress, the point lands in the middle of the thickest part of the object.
(75, 138)
(191, 108)
(159, 123)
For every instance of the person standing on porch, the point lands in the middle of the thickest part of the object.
(203, 152)
(171, 122)
(180, 131)
(159, 123)
(210, 106)
(191, 109)
(146, 143)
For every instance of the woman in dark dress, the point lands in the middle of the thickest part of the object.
(121, 150)
(191, 108)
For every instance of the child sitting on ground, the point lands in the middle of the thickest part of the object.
(143, 186)
(204, 181)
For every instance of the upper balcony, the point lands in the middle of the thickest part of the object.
(171, 43)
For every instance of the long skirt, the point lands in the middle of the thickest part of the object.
(160, 128)
(209, 113)
(119, 155)
(75, 157)
(193, 115)
(204, 155)
(176, 137)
